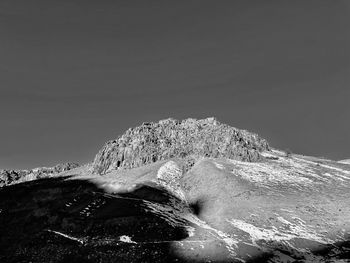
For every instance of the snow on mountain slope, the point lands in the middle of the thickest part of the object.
(347, 161)
(289, 205)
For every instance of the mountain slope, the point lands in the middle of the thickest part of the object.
(289, 208)
(248, 203)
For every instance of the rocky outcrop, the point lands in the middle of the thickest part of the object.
(169, 176)
(8, 177)
(188, 139)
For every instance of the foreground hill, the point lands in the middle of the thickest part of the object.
(276, 208)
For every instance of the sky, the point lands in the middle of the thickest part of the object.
(77, 73)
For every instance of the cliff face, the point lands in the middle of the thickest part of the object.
(8, 177)
(170, 138)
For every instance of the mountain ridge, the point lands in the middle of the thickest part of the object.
(11, 176)
(190, 139)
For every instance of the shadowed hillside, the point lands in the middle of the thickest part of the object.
(61, 220)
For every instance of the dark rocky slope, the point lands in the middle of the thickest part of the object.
(60, 220)
(170, 138)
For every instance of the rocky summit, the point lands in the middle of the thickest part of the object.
(189, 139)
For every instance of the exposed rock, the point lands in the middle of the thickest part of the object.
(169, 176)
(189, 139)
(8, 177)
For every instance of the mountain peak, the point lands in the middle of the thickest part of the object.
(170, 138)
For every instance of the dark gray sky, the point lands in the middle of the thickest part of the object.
(74, 74)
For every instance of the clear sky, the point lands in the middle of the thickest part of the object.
(76, 73)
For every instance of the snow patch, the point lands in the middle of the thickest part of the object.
(66, 236)
(325, 166)
(219, 166)
(190, 231)
(287, 232)
(347, 161)
(230, 242)
(293, 171)
(126, 239)
(266, 174)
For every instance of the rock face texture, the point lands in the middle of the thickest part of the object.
(170, 138)
(8, 177)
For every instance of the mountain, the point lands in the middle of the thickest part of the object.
(8, 177)
(182, 191)
(189, 139)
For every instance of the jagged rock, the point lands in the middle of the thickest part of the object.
(56, 169)
(170, 138)
(8, 177)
